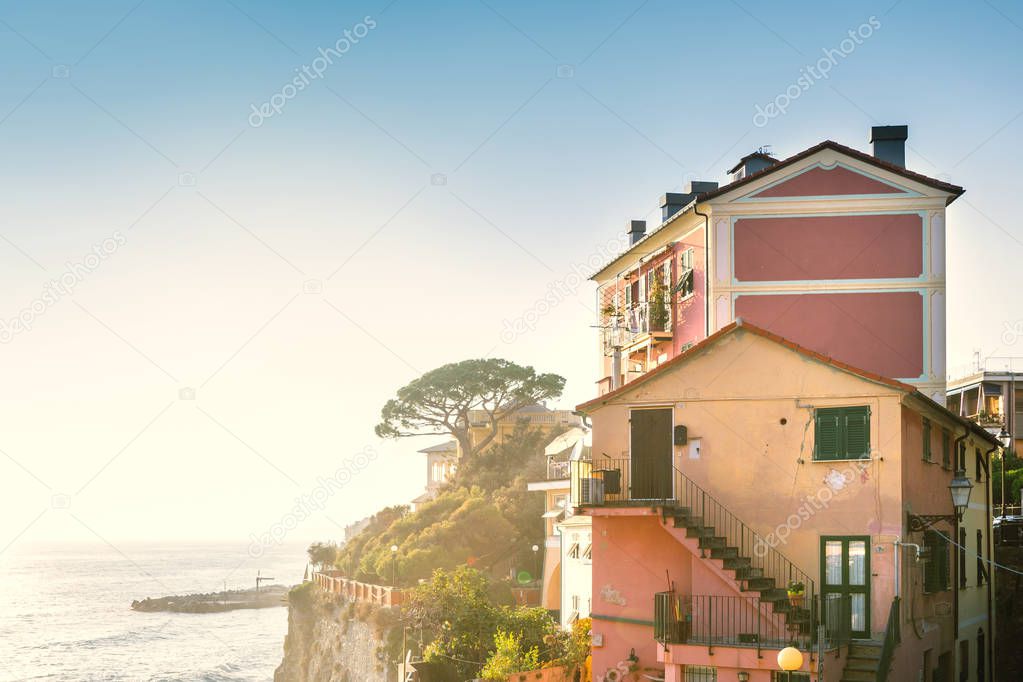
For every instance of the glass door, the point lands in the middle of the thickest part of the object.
(845, 569)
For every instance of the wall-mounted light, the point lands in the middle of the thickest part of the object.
(743, 676)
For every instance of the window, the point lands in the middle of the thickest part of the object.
(961, 457)
(779, 676)
(841, 433)
(701, 673)
(962, 557)
(927, 440)
(978, 464)
(588, 552)
(981, 671)
(684, 287)
(964, 660)
(573, 551)
(936, 572)
(982, 575)
(946, 449)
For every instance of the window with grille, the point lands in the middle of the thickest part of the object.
(841, 433)
(779, 676)
(701, 673)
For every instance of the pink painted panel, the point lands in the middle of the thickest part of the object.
(820, 182)
(879, 332)
(828, 247)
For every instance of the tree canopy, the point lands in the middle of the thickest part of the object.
(441, 400)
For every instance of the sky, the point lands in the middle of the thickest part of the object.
(231, 229)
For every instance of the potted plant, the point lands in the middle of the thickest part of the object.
(797, 592)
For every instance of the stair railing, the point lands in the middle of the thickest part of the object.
(892, 638)
(765, 560)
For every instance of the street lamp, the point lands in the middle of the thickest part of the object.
(536, 559)
(394, 562)
(960, 489)
(1006, 440)
(790, 659)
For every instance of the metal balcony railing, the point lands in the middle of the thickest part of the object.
(637, 321)
(749, 622)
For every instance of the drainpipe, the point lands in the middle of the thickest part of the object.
(955, 539)
(706, 269)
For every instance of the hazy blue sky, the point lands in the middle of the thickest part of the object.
(453, 163)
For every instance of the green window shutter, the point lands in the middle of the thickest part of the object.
(927, 440)
(842, 433)
(936, 573)
(827, 434)
(857, 432)
(946, 450)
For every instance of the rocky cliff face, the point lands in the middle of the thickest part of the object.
(328, 641)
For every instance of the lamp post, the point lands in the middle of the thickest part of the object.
(959, 489)
(536, 560)
(394, 563)
(1005, 439)
(790, 659)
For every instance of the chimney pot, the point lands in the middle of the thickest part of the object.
(890, 144)
(636, 230)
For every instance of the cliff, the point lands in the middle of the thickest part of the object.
(330, 640)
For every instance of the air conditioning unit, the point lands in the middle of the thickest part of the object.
(591, 491)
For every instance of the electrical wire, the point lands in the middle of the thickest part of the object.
(992, 562)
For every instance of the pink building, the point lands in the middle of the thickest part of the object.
(840, 251)
(749, 464)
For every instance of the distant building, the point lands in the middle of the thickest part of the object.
(353, 529)
(441, 464)
(993, 399)
(567, 561)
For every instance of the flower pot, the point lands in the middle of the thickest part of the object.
(796, 600)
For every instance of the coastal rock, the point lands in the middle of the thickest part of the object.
(216, 602)
(328, 642)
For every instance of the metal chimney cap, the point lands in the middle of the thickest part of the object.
(889, 133)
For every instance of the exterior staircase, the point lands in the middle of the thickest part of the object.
(863, 662)
(763, 579)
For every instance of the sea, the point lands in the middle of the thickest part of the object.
(65, 613)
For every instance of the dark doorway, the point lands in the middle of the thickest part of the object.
(652, 450)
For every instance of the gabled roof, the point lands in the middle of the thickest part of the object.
(728, 329)
(954, 190)
(449, 446)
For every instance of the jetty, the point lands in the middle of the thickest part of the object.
(216, 602)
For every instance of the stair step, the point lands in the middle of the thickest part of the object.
(742, 564)
(759, 583)
(775, 594)
(699, 531)
(724, 552)
(713, 541)
(862, 664)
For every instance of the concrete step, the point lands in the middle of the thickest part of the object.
(712, 542)
(724, 553)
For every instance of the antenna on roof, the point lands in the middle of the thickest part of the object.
(764, 149)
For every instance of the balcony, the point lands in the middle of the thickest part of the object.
(749, 622)
(642, 322)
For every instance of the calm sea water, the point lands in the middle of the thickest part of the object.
(65, 613)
